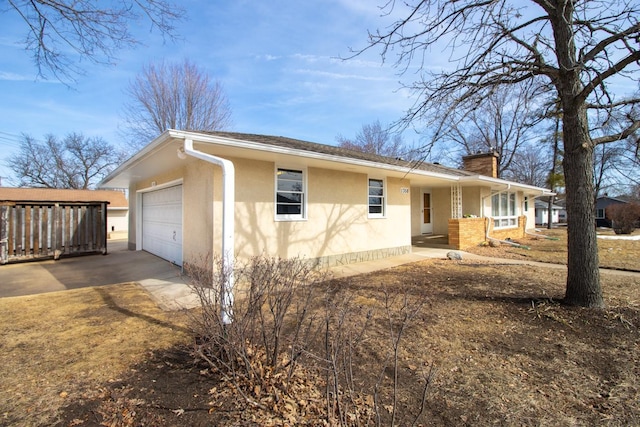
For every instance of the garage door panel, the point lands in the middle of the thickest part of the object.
(162, 223)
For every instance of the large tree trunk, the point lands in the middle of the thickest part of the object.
(583, 274)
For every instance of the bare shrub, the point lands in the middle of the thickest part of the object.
(270, 318)
(348, 326)
(345, 327)
(294, 338)
(399, 311)
(625, 217)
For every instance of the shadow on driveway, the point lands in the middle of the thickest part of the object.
(118, 266)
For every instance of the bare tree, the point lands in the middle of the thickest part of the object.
(616, 164)
(62, 33)
(529, 165)
(174, 96)
(375, 139)
(503, 122)
(76, 162)
(606, 158)
(574, 47)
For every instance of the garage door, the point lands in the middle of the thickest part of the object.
(162, 223)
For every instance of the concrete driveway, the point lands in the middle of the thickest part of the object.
(118, 266)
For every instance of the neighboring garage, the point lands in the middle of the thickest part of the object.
(162, 223)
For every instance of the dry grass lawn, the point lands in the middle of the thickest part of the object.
(55, 347)
(504, 350)
(619, 254)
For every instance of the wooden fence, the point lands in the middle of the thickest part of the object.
(35, 230)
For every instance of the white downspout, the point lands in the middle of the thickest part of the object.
(228, 232)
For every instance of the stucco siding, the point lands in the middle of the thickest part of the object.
(472, 201)
(336, 220)
(198, 193)
(254, 211)
(415, 211)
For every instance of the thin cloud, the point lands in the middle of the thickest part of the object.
(268, 57)
(14, 77)
(340, 76)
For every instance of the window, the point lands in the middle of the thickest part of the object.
(503, 210)
(290, 198)
(376, 198)
(600, 214)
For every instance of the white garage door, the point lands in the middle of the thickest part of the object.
(162, 223)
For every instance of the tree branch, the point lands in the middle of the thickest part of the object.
(618, 136)
(611, 71)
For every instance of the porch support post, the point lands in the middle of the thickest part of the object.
(456, 201)
(4, 231)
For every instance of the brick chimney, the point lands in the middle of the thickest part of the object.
(482, 163)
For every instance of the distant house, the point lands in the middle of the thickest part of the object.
(602, 203)
(562, 214)
(542, 212)
(117, 208)
(245, 195)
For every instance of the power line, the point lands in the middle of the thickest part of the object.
(10, 136)
(9, 139)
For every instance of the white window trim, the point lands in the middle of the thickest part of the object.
(305, 196)
(507, 217)
(384, 198)
(601, 210)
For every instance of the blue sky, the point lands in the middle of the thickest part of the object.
(278, 62)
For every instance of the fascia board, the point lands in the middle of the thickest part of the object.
(514, 185)
(249, 145)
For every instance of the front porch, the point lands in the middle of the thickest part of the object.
(440, 241)
(466, 232)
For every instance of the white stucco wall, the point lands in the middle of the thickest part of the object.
(336, 221)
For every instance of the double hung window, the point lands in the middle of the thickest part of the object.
(377, 198)
(290, 194)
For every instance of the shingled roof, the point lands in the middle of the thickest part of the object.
(116, 199)
(296, 144)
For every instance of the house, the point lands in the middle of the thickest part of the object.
(117, 208)
(542, 212)
(196, 193)
(602, 203)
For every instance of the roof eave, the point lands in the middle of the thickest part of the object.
(408, 171)
(240, 143)
(150, 148)
(530, 189)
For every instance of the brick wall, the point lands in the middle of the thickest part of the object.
(467, 232)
